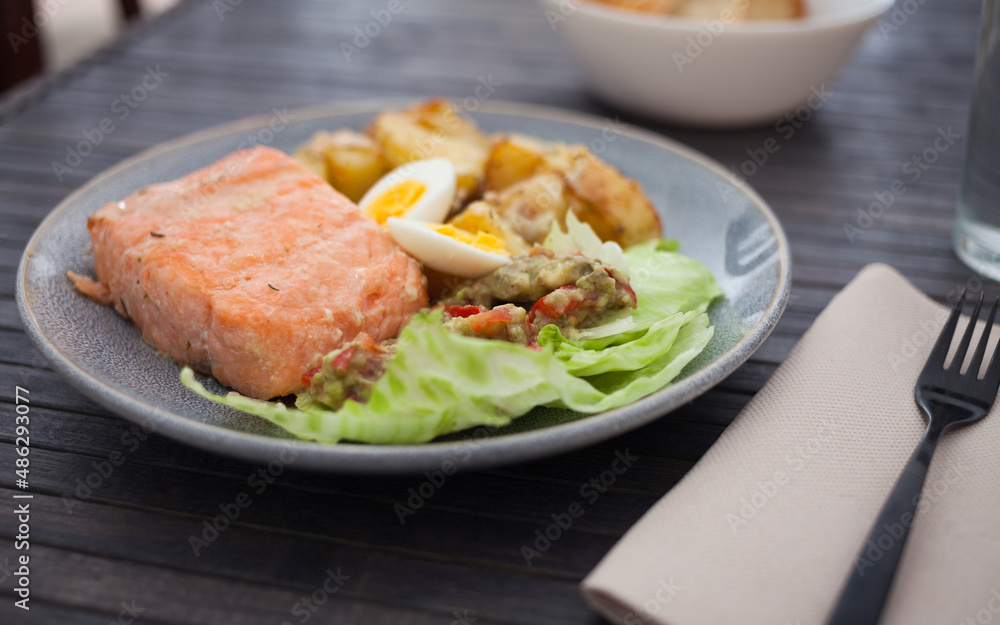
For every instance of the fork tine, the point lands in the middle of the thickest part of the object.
(963, 346)
(937, 356)
(977, 358)
(992, 377)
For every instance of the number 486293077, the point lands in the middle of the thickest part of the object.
(21, 431)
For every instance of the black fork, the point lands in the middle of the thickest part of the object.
(949, 397)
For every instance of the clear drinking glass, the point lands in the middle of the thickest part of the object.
(977, 224)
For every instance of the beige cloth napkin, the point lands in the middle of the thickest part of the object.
(766, 527)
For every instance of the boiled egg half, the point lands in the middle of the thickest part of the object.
(449, 249)
(420, 190)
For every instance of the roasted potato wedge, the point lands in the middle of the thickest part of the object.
(513, 158)
(530, 206)
(431, 129)
(613, 205)
(350, 161)
(311, 154)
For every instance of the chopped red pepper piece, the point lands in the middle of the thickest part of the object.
(308, 376)
(545, 306)
(343, 359)
(490, 321)
(464, 311)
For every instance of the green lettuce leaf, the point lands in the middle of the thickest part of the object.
(667, 282)
(628, 351)
(671, 290)
(440, 382)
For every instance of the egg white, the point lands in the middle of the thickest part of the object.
(439, 179)
(442, 252)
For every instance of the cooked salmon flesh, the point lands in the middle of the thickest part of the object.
(251, 270)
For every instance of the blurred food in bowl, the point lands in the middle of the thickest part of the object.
(711, 9)
(711, 69)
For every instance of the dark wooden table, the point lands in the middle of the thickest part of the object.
(122, 548)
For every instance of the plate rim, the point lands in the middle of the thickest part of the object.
(410, 458)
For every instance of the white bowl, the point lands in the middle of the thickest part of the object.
(710, 72)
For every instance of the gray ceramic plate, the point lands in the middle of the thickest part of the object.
(724, 225)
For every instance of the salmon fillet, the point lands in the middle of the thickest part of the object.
(251, 270)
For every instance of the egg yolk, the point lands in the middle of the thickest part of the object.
(481, 240)
(396, 200)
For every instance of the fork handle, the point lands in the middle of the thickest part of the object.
(867, 588)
